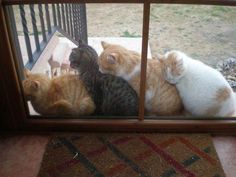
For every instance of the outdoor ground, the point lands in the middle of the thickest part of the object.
(207, 33)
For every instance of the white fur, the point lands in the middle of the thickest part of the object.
(149, 94)
(198, 85)
(101, 70)
(127, 77)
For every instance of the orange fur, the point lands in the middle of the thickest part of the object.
(175, 66)
(65, 94)
(165, 99)
(223, 94)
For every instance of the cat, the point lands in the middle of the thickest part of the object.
(161, 98)
(62, 95)
(112, 95)
(204, 90)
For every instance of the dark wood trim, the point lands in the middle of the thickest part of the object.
(180, 126)
(6, 115)
(197, 2)
(146, 17)
(17, 116)
(202, 2)
(10, 78)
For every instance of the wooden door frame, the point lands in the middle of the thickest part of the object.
(21, 120)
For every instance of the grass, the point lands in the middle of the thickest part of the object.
(221, 9)
(180, 29)
(153, 15)
(158, 13)
(197, 29)
(194, 55)
(126, 33)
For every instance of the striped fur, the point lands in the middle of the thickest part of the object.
(113, 96)
(64, 95)
(161, 97)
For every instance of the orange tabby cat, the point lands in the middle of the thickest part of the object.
(161, 98)
(63, 95)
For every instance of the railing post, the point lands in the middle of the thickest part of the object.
(42, 22)
(33, 19)
(79, 22)
(59, 15)
(26, 33)
(71, 20)
(83, 23)
(54, 14)
(75, 13)
(68, 19)
(63, 17)
(48, 19)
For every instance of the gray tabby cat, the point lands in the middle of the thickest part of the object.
(112, 95)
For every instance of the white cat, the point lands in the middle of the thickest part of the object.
(204, 90)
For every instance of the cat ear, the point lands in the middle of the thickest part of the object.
(35, 85)
(27, 72)
(111, 58)
(104, 44)
(160, 58)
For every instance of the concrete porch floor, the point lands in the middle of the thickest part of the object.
(42, 63)
(21, 155)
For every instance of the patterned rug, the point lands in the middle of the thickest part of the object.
(130, 155)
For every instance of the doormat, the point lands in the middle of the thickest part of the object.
(130, 155)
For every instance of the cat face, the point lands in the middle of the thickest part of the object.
(111, 60)
(33, 84)
(75, 58)
(82, 56)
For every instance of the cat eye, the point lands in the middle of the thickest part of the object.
(111, 59)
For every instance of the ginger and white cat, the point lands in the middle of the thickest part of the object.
(161, 97)
(204, 90)
(63, 95)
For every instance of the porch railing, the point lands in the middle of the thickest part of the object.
(45, 20)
